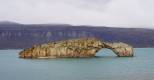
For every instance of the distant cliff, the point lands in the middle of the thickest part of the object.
(15, 36)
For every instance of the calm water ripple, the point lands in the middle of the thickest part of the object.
(105, 66)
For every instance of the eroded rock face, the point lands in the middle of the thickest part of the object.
(86, 47)
(120, 49)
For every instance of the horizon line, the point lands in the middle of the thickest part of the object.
(84, 25)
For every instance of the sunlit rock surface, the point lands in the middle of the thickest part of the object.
(85, 47)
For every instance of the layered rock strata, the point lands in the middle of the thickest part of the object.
(85, 47)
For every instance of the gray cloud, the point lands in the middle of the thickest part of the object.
(126, 13)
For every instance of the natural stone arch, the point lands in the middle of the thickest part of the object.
(120, 49)
(85, 47)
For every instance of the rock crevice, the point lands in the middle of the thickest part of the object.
(85, 47)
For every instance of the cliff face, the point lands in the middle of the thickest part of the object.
(19, 36)
(85, 47)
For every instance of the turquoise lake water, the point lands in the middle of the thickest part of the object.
(106, 66)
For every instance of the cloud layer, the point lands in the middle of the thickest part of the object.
(123, 13)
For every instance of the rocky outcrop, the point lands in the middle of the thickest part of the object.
(120, 49)
(85, 47)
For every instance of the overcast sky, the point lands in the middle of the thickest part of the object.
(124, 13)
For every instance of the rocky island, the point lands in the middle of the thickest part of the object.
(74, 48)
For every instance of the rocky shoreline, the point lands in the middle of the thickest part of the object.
(74, 48)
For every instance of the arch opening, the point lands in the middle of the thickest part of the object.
(105, 52)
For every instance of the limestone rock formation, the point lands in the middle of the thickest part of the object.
(85, 47)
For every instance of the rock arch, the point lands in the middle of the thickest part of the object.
(85, 47)
(120, 49)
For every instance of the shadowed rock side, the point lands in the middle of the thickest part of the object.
(86, 47)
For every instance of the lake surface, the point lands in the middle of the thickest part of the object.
(106, 66)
